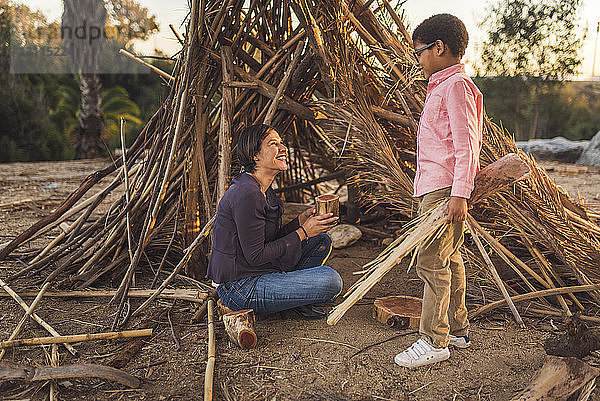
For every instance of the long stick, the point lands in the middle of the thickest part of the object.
(74, 210)
(25, 317)
(126, 189)
(35, 317)
(495, 275)
(210, 363)
(284, 83)
(153, 68)
(537, 294)
(226, 128)
(176, 34)
(53, 363)
(76, 338)
(506, 253)
(126, 282)
(183, 294)
(546, 269)
(59, 238)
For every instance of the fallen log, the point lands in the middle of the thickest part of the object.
(31, 374)
(558, 379)
(239, 326)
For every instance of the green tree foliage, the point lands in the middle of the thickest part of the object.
(583, 104)
(130, 20)
(41, 111)
(27, 131)
(532, 46)
(532, 38)
(147, 90)
(569, 110)
(116, 103)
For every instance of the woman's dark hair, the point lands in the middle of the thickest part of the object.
(445, 27)
(249, 143)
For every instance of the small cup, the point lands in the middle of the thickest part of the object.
(327, 204)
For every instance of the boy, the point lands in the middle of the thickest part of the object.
(448, 145)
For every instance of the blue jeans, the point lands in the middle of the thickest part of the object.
(307, 283)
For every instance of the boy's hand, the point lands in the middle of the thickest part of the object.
(457, 210)
(305, 215)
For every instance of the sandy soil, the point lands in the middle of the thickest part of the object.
(295, 359)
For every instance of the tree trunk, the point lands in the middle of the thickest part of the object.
(91, 126)
(536, 114)
(82, 57)
(518, 116)
(534, 121)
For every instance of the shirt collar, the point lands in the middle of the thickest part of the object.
(440, 76)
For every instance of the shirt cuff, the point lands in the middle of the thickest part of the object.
(462, 190)
(294, 224)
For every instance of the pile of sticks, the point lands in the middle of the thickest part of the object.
(338, 80)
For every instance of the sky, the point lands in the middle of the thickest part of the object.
(470, 11)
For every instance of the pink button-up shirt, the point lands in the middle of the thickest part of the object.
(450, 134)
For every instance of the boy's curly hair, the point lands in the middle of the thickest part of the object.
(445, 27)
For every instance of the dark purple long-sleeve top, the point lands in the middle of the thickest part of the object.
(248, 238)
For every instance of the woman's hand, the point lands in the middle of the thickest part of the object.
(316, 225)
(302, 217)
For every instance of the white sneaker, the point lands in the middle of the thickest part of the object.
(421, 353)
(460, 342)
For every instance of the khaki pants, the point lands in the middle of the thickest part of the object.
(441, 268)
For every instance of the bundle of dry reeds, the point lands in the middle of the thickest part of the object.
(337, 78)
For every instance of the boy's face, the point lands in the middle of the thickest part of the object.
(434, 56)
(426, 56)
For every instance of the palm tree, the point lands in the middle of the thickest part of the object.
(116, 104)
(82, 53)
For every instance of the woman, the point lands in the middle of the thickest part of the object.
(257, 263)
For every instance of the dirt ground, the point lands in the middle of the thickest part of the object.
(294, 360)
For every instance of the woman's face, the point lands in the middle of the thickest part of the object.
(273, 153)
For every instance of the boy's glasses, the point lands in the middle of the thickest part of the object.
(420, 50)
